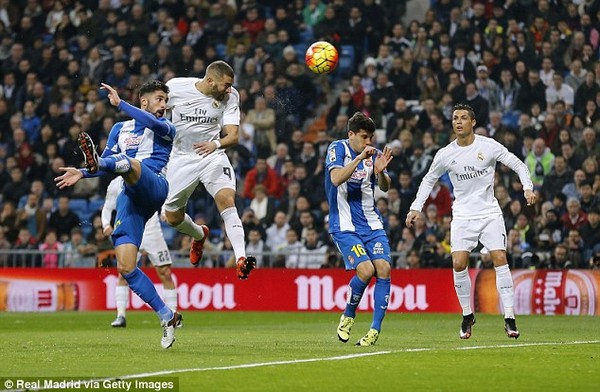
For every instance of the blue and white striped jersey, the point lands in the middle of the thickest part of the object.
(145, 138)
(352, 203)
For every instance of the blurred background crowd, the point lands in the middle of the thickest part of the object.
(529, 68)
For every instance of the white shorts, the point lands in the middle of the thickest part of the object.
(465, 234)
(154, 243)
(184, 172)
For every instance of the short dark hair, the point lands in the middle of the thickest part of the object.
(464, 106)
(220, 68)
(152, 86)
(360, 121)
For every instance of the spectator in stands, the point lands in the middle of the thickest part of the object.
(263, 205)
(590, 233)
(25, 242)
(291, 249)
(16, 188)
(9, 221)
(63, 220)
(33, 217)
(575, 217)
(51, 249)
(539, 162)
(588, 146)
(558, 260)
(585, 92)
(277, 231)
(413, 260)
(587, 198)
(78, 251)
(312, 254)
(534, 91)
(264, 175)
(558, 90)
(344, 105)
(257, 246)
(441, 198)
(353, 31)
(574, 160)
(419, 162)
(560, 175)
(575, 244)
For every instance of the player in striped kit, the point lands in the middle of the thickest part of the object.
(137, 150)
(201, 109)
(470, 160)
(153, 243)
(354, 168)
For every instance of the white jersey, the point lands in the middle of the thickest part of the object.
(198, 117)
(153, 241)
(471, 169)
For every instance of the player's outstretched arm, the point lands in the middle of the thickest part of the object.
(149, 120)
(69, 178)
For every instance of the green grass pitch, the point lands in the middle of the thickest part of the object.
(255, 351)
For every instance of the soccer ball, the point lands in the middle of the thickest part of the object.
(321, 57)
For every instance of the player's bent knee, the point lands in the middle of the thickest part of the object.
(174, 218)
(125, 269)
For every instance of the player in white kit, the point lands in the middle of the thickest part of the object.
(200, 110)
(470, 160)
(153, 243)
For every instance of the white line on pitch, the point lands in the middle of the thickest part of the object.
(336, 358)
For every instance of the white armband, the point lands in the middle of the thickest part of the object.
(218, 143)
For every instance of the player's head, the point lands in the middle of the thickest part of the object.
(219, 76)
(463, 119)
(154, 95)
(360, 131)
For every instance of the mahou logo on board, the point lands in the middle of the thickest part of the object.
(318, 293)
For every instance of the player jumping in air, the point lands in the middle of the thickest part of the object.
(200, 110)
(470, 160)
(137, 150)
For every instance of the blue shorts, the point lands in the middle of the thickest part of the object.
(136, 204)
(356, 248)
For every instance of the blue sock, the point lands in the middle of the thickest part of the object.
(382, 297)
(118, 163)
(144, 288)
(356, 289)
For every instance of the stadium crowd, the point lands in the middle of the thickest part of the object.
(529, 68)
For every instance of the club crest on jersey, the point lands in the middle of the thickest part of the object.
(216, 104)
(332, 155)
(480, 156)
(368, 162)
(351, 260)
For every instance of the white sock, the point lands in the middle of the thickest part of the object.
(191, 228)
(170, 297)
(122, 299)
(462, 285)
(235, 231)
(504, 284)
